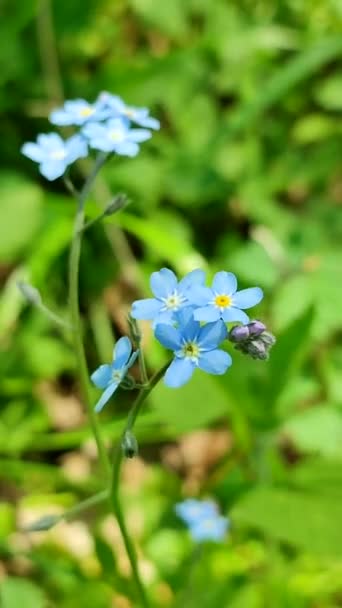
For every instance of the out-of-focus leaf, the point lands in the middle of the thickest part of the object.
(16, 592)
(287, 355)
(21, 206)
(168, 246)
(295, 518)
(318, 429)
(329, 93)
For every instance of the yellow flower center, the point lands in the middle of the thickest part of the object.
(223, 301)
(115, 135)
(85, 112)
(129, 112)
(58, 154)
(117, 375)
(191, 350)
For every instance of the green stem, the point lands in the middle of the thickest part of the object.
(86, 504)
(74, 261)
(114, 492)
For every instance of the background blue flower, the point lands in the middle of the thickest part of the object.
(170, 296)
(115, 136)
(193, 346)
(78, 112)
(203, 519)
(118, 107)
(109, 376)
(222, 300)
(192, 510)
(54, 154)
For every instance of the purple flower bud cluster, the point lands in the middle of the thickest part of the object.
(252, 339)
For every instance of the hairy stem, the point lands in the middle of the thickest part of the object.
(114, 492)
(74, 261)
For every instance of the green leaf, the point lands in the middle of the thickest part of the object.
(21, 207)
(305, 521)
(329, 93)
(318, 429)
(287, 355)
(201, 401)
(167, 245)
(15, 592)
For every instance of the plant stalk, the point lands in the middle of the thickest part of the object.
(74, 262)
(114, 492)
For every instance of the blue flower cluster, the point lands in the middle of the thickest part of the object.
(108, 377)
(105, 125)
(190, 319)
(203, 519)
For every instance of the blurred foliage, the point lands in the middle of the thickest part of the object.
(244, 175)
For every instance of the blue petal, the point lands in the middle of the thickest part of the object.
(33, 151)
(106, 396)
(94, 129)
(76, 147)
(126, 148)
(51, 169)
(207, 313)
(191, 510)
(224, 283)
(168, 336)
(200, 295)
(184, 315)
(121, 352)
(211, 335)
(101, 143)
(145, 309)
(132, 359)
(246, 298)
(235, 314)
(50, 141)
(210, 529)
(102, 376)
(163, 282)
(195, 277)
(214, 361)
(139, 135)
(179, 372)
(61, 118)
(148, 121)
(164, 318)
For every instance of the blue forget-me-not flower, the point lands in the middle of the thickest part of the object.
(222, 300)
(108, 376)
(78, 112)
(194, 346)
(115, 136)
(203, 519)
(139, 116)
(54, 154)
(170, 296)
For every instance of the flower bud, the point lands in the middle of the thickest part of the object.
(44, 523)
(257, 349)
(30, 293)
(118, 202)
(239, 333)
(268, 339)
(129, 445)
(256, 328)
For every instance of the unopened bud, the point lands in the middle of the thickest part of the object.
(118, 202)
(268, 339)
(257, 349)
(239, 333)
(44, 523)
(134, 330)
(31, 294)
(256, 328)
(129, 445)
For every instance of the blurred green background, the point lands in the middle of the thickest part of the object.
(243, 176)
